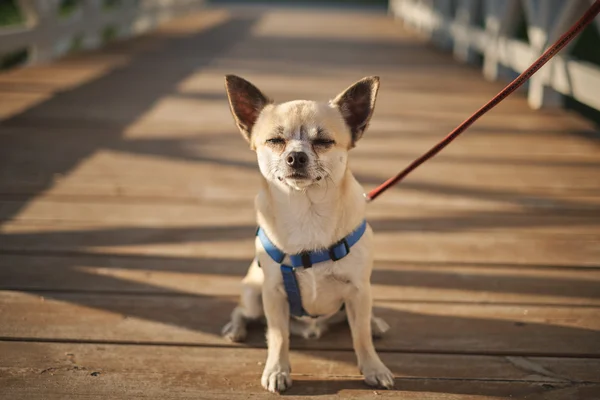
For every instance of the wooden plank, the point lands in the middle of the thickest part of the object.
(238, 190)
(391, 137)
(416, 327)
(397, 281)
(325, 83)
(561, 137)
(201, 237)
(464, 175)
(475, 247)
(437, 209)
(56, 371)
(546, 185)
(464, 181)
(246, 361)
(79, 212)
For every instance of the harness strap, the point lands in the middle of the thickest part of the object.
(293, 291)
(306, 260)
(273, 252)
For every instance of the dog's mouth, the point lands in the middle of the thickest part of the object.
(297, 176)
(298, 180)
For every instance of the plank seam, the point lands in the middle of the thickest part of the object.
(588, 356)
(172, 294)
(75, 253)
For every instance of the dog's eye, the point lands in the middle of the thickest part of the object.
(323, 142)
(276, 140)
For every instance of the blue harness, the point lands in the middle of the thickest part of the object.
(306, 260)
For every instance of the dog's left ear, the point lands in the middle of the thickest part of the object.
(357, 104)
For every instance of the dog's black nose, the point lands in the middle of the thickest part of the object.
(296, 159)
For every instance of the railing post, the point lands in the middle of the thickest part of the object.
(540, 17)
(127, 11)
(500, 21)
(440, 35)
(465, 18)
(41, 16)
(549, 19)
(92, 15)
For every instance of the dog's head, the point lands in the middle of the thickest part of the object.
(302, 143)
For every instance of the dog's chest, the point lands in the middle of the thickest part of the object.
(324, 287)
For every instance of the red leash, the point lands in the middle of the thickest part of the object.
(585, 20)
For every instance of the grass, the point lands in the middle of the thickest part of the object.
(10, 14)
(76, 44)
(521, 28)
(109, 34)
(68, 7)
(14, 59)
(109, 5)
(586, 49)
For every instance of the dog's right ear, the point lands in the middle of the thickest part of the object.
(246, 103)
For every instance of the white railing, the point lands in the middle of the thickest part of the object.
(47, 35)
(486, 27)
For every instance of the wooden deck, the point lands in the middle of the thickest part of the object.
(127, 220)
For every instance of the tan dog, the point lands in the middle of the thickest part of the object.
(309, 201)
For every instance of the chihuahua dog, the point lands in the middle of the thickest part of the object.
(309, 202)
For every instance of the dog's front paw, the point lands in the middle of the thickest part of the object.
(276, 379)
(378, 375)
(234, 332)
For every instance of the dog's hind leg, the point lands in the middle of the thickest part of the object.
(378, 327)
(314, 331)
(250, 307)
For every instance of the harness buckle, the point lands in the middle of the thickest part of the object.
(306, 261)
(332, 250)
